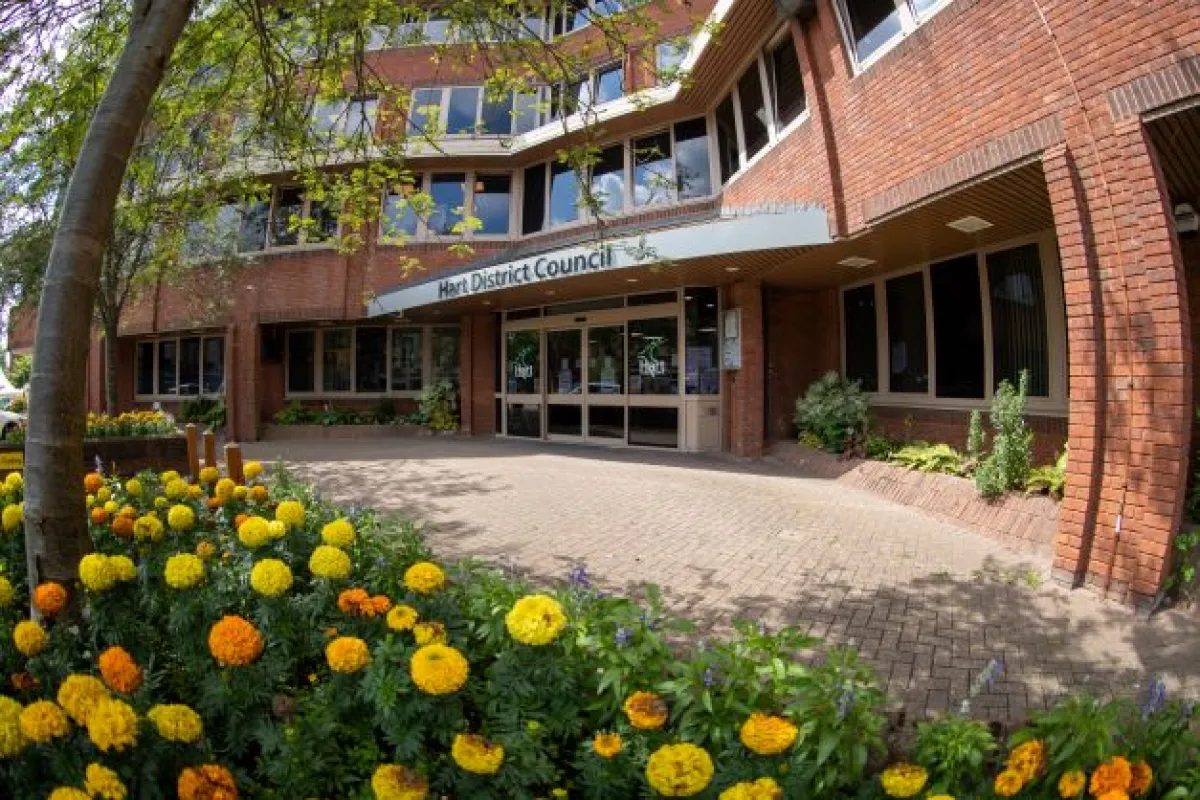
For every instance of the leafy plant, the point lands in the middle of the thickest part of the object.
(954, 750)
(19, 404)
(925, 457)
(439, 406)
(294, 413)
(810, 439)
(1007, 466)
(833, 409)
(1049, 479)
(879, 447)
(208, 411)
(975, 437)
(385, 412)
(1078, 730)
(1182, 580)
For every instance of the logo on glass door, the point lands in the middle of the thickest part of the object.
(649, 363)
(521, 361)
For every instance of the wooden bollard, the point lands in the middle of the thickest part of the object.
(210, 449)
(233, 462)
(193, 449)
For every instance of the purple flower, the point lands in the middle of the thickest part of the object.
(99, 465)
(1155, 697)
(578, 577)
(710, 677)
(624, 635)
(845, 700)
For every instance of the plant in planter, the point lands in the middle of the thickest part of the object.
(208, 411)
(1008, 464)
(293, 414)
(924, 457)
(1050, 479)
(439, 407)
(834, 410)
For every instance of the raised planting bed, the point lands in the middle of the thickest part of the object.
(281, 433)
(127, 455)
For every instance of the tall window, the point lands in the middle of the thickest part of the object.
(444, 344)
(871, 26)
(252, 234)
(608, 84)
(787, 86)
(145, 368)
(533, 200)
(608, 179)
(654, 356)
(564, 194)
(668, 56)
(168, 365)
(214, 365)
(399, 220)
(406, 360)
(496, 114)
(370, 360)
(703, 351)
(189, 366)
(425, 116)
(908, 354)
(755, 132)
(449, 194)
(693, 174)
(654, 170)
(861, 337)
(727, 139)
(463, 109)
(491, 203)
(337, 359)
(1020, 340)
(180, 366)
(301, 361)
(957, 327)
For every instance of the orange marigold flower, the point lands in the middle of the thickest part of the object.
(1114, 775)
(234, 642)
(120, 672)
(50, 598)
(1142, 778)
(1115, 794)
(99, 515)
(122, 526)
(207, 782)
(380, 604)
(646, 710)
(92, 482)
(23, 682)
(1028, 758)
(351, 601)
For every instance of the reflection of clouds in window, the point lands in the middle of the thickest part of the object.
(693, 173)
(608, 179)
(449, 193)
(610, 84)
(653, 174)
(564, 194)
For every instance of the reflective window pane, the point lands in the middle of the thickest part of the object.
(693, 175)
(564, 361)
(754, 111)
(957, 327)
(526, 112)
(496, 116)
(167, 366)
(702, 365)
(214, 365)
(189, 365)
(654, 427)
(564, 194)
(533, 200)
(606, 360)
(289, 204)
(873, 23)
(252, 235)
(145, 368)
(324, 216)
(608, 179)
(460, 114)
(667, 58)
(654, 356)
(727, 141)
(337, 359)
(908, 354)
(653, 171)
(406, 360)
(301, 365)
(399, 220)
(524, 420)
(606, 422)
(1020, 340)
(426, 111)
(564, 420)
(370, 360)
(444, 344)
(610, 84)
(862, 346)
(523, 358)
(493, 193)
(449, 193)
(787, 85)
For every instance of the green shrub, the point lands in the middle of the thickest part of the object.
(925, 457)
(385, 412)
(833, 409)
(1182, 580)
(975, 437)
(954, 750)
(294, 413)
(439, 406)
(1051, 479)
(879, 447)
(19, 404)
(208, 411)
(810, 439)
(1008, 464)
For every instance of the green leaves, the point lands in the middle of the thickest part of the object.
(953, 749)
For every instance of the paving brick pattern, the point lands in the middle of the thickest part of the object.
(928, 604)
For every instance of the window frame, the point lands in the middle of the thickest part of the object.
(302, 242)
(910, 21)
(472, 176)
(177, 338)
(318, 331)
(1054, 404)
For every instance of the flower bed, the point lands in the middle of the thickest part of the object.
(253, 640)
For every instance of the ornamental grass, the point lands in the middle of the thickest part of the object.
(251, 640)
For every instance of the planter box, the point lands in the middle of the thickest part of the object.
(131, 455)
(1022, 520)
(285, 433)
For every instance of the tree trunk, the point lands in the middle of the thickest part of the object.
(110, 366)
(56, 534)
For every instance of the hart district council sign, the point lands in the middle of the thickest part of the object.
(723, 236)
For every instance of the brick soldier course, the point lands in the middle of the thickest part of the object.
(1062, 122)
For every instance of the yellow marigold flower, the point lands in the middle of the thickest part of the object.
(209, 474)
(1071, 784)
(168, 476)
(271, 577)
(206, 782)
(78, 694)
(439, 669)
(195, 491)
(184, 571)
(12, 517)
(120, 672)
(123, 568)
(329, 562)
(224, 489)
(161, 502)
(252, 469)
(424, 577)
(768, 735)
(339, 533)
(679, 770)
(69, 793)
(240, 493)
(96, 572)
(347, 654)
(429, 633)
(148, 527)
(1114, 775)
(30, 638)
(12, 741)
(259, 494)
(402, 618)
(290, 513)
(535, 619)
(394, 782)
(50, 598)
(1027, 759)
(112, 725)
(234, 642)
(176, 723)
(103, 783)
(134, 487)
(903, 780)
(1115, 794)
(1008, 783)
(206, 550)
(14, 481)
(476, 754)
(646, 711)
(607, 745)
(181, 518)
(277, 529)
(761, 789)
(42, 721)
(7, 592)
(940, 797)
(254, 532)
(175, 489)
(104, 494)
(112, 507)
(1142, 778)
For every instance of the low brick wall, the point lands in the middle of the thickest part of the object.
(131, 455)
(1025, 521)
(284, 433)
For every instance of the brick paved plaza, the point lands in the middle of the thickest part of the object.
(928, 604)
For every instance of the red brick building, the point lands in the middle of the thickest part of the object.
(928, 196)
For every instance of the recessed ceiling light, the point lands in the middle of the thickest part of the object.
(487, 302)
(549, 292)
(631, 280)
(733, 269)
(857, 262)
(970, 224)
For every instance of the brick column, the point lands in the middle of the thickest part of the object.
(241, 379)
(477, 363)
(1130, 364)
(746, 386)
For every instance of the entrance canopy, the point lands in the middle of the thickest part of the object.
(604, 265)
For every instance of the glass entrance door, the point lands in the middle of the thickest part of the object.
(523, 386)
(606, 383)
(564, 383)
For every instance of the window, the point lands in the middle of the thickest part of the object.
(654, 356)
(755, 132)
(444, 345)
(787, 86)
(871, 26)
(426, 114)
(526, 113)
(448, 192)
(703, 375)
(399, 220)
(693, 174)
(295, 219)
(186, 366)
(653, 171)
(668, 56)
(727, 139)
(323, 221)
(473, 111)
(252, 233)
(988, 313)
(862, 359)
(301, 361)
(334, 119)
(571, 17)
(496, 115)
(407, 368)
(533, 201)
(564, 194)
(608, 179)
(337, 359)
(462, 109)
(609, 84)
(370, 360)
(492, 196)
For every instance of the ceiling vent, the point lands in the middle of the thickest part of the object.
(857, 262)
(969, 224)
